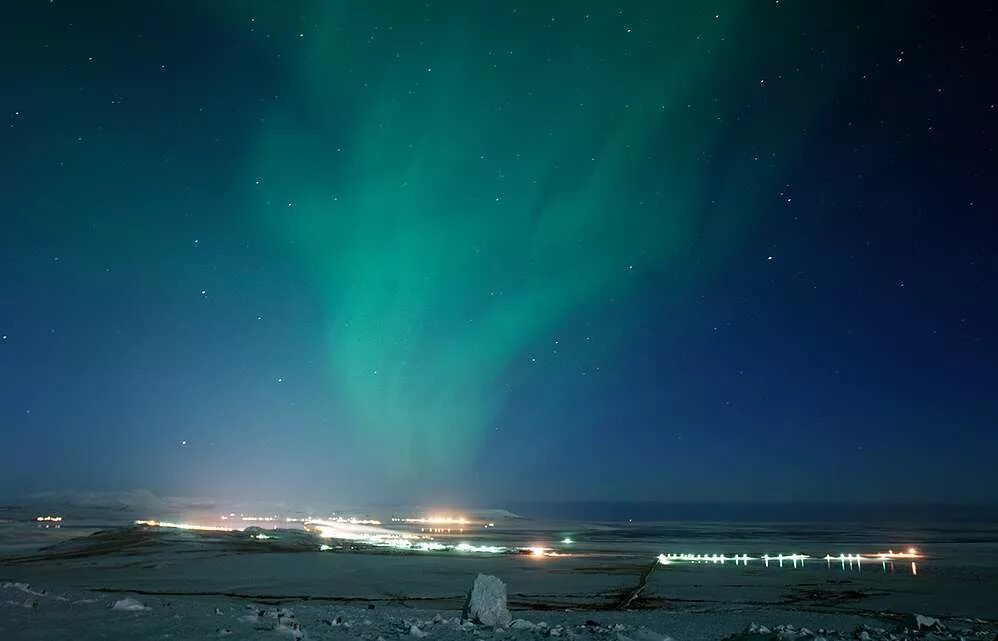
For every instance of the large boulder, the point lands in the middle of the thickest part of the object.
(486, 602)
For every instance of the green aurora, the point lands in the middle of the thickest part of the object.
(460, 185)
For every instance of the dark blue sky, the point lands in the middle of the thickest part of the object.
(482, 253)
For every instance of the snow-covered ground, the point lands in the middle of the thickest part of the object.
(29, 613)
(95, 579)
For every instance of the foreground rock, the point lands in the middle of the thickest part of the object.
(486, 602)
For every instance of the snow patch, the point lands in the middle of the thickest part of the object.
(128, 604)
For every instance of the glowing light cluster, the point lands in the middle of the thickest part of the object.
(351, 520)
(356, 530)
(537, 550)
(910, 553)
(382, 537)
(184, 526)
(489, 549)
(49, 519)
(435, 520)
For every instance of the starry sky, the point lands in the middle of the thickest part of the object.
(500, 251)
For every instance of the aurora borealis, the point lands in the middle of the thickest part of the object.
(482, 251)
(450, 231)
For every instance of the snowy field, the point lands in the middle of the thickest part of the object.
(99, 576)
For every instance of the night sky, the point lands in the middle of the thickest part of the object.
(484, 251)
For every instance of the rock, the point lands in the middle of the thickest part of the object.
(486, 602)
(522, 624)
(919, 622)
(416, 632)
(292, 629)
(129, 604)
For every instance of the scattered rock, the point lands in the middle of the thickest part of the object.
(486, 602)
